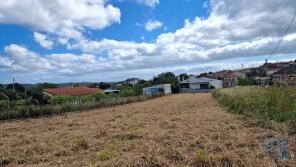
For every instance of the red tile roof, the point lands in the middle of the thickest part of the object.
(73, 91)
(230, 75)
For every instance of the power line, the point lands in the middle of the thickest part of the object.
(281, 40)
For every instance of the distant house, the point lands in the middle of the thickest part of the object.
(229, 80)
(199, 84)
(132, 81)
(71, 91)
(164, 89)
(270, 68)
(251, 72)
(286, 76)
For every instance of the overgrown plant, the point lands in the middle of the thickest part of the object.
(98, 101)
(274, 103)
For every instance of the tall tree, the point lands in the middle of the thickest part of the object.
(17, 87)
(183, 77)
(101, 85)
(168, 78)
(37, 94)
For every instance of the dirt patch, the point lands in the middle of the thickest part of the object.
(178, 130)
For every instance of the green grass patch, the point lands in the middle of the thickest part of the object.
(276, 104)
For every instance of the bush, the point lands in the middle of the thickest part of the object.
(3, 105)
(63, 105)
(62, 99)
(128, 92)
(245, 81)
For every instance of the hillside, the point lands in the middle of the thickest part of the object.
(177, 130)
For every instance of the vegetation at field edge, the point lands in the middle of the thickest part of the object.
(276, 104)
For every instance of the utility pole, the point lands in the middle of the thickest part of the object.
(266, 72)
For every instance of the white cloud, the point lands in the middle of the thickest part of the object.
(152, 25)
(233, 29)
(42, 40)
(24, 60)
(60, 17)
(150, 3)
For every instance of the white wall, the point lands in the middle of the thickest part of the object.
(194, 86)
(216, 83)
(167, 89)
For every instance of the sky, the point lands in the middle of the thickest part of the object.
(110, 40)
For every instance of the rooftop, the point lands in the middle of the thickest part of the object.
(73, 91)
(288, 70)
(199, 80)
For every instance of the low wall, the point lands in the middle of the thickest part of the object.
(182, 90)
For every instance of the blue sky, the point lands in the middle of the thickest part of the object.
(171, 13)
(111, 40)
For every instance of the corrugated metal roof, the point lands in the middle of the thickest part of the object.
(199, 80)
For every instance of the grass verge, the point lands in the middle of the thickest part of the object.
(276, 104)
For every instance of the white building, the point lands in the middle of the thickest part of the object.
(132, 81)
(200, 84)
(158, 90)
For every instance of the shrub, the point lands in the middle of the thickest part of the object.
(245, 81)
(62, 99)
(46, 110)
(63, 105)
(4, 105)
(128, 92)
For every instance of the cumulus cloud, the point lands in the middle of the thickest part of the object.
(233, 29)
(42, 40)
(152, 25)
(20, 59)
(150, 3)
(60, 17)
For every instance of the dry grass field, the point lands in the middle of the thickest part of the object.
(178, 130)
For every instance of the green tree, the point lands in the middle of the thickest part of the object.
(37, 94)
(46, 86)
(245, 81)
(17, 87)
(12, 94)
(183, 76)
(168, 78)
(101, 85)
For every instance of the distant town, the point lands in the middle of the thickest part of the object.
(280, 73)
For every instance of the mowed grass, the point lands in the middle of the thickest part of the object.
(277, 104)
(178, 130)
